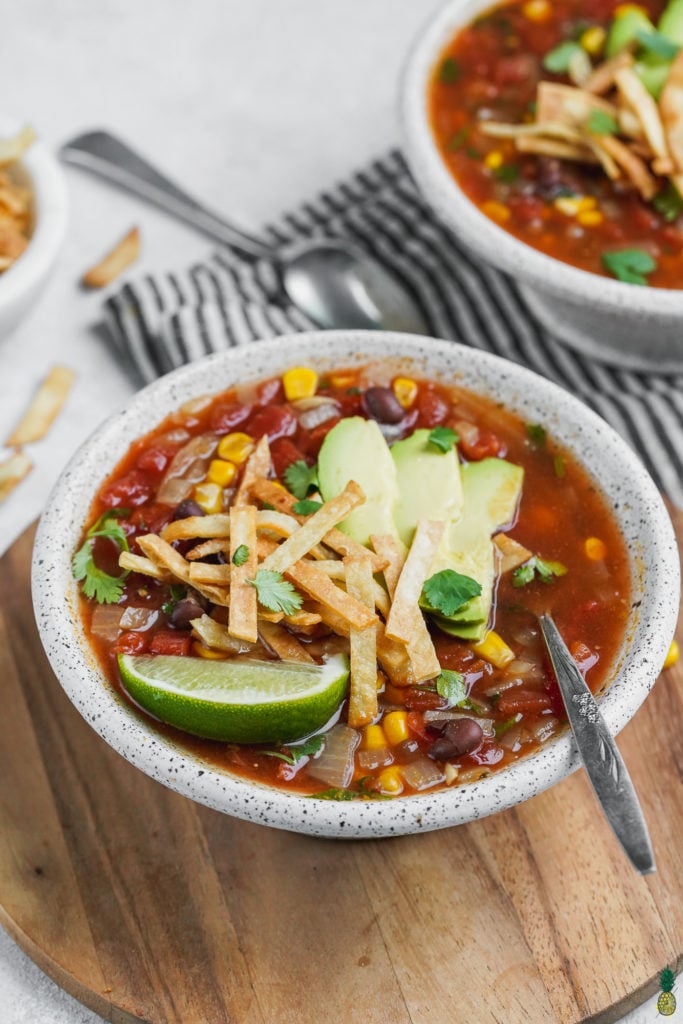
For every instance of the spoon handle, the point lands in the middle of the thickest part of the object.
(603, 762)
(103, 154)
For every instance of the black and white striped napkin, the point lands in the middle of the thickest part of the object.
(160, 322)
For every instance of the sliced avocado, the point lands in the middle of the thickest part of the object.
(653, 73)
(624, 30)
(429, 484)
(355, 449)
(671, 22)
(491, 491)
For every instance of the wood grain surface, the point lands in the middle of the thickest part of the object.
(148, 907)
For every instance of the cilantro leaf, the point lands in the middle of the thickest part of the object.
(176, 593)
(630, 265)
(295, 753)
(536, 433)
(241, 555)
(443, 438)
(558, 466)
(305, 507)
(449, 71)
(558, 60)
(446, 591)
(599, 122)
(669, 202)
(506, 173)
(537, 567)
(276, 593)
(451, 685)
(105, 589)
(457, 140)
(657, 43)
(300, 478)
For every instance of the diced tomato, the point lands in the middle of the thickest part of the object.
(167, 641)
(131, 490)
(271, 391)
(318, 435)
(132, 643)
(520, 67)
(150, 518)
(225, 418)
(155, 460)
(422, 700)
(486, 446)
(527, 208)
(584, 657)
(273, 420)
(432, 407)
(529, 702)
(283, 453)
(416, 724)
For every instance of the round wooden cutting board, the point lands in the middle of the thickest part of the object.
(146, 906)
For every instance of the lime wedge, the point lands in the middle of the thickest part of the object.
(237, 701)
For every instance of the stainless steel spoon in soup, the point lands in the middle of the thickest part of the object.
(332, 281)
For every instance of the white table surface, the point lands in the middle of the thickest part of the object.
(251, 104)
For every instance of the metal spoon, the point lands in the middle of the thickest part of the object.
(600, 754)
(332, 281)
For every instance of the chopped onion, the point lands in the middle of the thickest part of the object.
(106, 621)
(321, 414)
(371, 759)
(543, 728)
(139, 619)
(525, 635)
(304, 404)
(473, 774)
(188, 462)
(177, 436)
(196, 405)
(468, 432)
(335, 764)
(512, 739)
(504, 684)
(525, 670)
(422, 773)
(447, 716)
(391, 431)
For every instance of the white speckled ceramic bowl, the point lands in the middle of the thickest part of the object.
(22, 283)
(624, 324)
(631, 493)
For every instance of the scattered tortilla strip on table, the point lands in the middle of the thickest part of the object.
(258, 466)
(282, 643)
(243, 621)
(115, 262)
(46, 405)
(12, 472)
(363, 706)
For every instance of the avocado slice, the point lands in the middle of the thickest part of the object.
(491, 492)
(624, 30)
(355, 449)
(671, 22)
(429, 483)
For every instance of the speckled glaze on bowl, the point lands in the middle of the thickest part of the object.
(624, 324)
(631, 493)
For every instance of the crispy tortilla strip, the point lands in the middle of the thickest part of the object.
(206, 572)
(634, 168)
(391, 655)
(12, 472)
(420, 649)
(336, 569)
(46, 405)
(553, 129)
(243, 621)
(602, 78)
(609, 166)
(276, 522)
(161, 553)
(145, 566)
(554, 147)
(671, 111)
(629, 124)
(213, 527)
(390, 550)
(14, 148)
(641, 103)
(303, 619)
(564, 104)
(282, 643)
(275, 494)
(580, 68)
(209, 547)
(268, 616)
(406, 622)
(511, 554)
(125, 252)
(315, 528)
(363, 647)
(216, 636)
(321, 588)
(258, 466)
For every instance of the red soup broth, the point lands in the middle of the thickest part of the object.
(561, 517)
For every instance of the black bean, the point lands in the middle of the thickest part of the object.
(183, 613)
(459, 736)
(188, 508)
(381, 404)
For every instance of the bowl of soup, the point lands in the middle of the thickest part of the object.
(548, 137)
(300, 581)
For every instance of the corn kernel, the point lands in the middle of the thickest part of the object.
(209, 496)
(208, 652)
(235, 447)
(622, 9)
(587, 203)
(593, 40)
(672, 655)
(300, 382)
(396, 727)
(391, 781)
(595, 549)
(494, 649)
(451, 771)
(221, 472)
(496, 210)
(373, 738)
(343, 380)
(405, 390)
(493, 160)
(590, 218)
(536, 10)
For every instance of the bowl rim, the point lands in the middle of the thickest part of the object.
(55, 593)
(474, 228)
(50, 202)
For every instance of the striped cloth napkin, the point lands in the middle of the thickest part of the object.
(160, 322)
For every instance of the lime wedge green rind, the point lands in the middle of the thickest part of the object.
(237, 701)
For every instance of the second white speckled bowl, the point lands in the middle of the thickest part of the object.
(629, 490)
